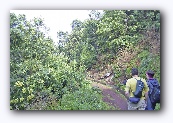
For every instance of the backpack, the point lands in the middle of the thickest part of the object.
(155, 94)
(139, 88)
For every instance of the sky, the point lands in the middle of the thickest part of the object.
(56, 20)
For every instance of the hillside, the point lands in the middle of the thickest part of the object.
(85, 70)
(112, 86)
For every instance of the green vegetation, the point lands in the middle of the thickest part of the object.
(45, 76)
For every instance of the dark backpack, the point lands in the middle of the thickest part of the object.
(155, 94)
(139, 88)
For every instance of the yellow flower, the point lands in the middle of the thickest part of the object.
(30, 97)
(30, 90)
(16, 100)
(11, 101)
(21, 99)
(19, 84)
(23, 90)
(41, 81)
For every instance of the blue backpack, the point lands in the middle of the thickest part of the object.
(154, 92)
(139, 89)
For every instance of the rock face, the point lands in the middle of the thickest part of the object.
(107, 74)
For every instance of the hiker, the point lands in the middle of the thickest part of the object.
(133, 102)
(151, 83)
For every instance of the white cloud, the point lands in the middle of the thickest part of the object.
(56, 20)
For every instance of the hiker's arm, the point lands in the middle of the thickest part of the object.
(127, 88)
(127, 94)
(146, 91)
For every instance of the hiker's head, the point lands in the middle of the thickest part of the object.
(134, 71)
(150, 74)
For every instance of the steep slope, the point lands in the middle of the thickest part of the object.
(111, 86)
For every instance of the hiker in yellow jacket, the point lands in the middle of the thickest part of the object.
(131, 87)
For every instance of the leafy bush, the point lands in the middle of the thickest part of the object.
(83, 99)
(41, 77)
(88, 56)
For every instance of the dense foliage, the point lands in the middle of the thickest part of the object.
(45, 76)
(39, 73)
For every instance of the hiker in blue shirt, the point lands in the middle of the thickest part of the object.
(151, 83)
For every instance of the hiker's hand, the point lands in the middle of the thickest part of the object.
(127, 94)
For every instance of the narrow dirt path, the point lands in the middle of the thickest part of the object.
(117, 101)
(112, 97)
(111, 94)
